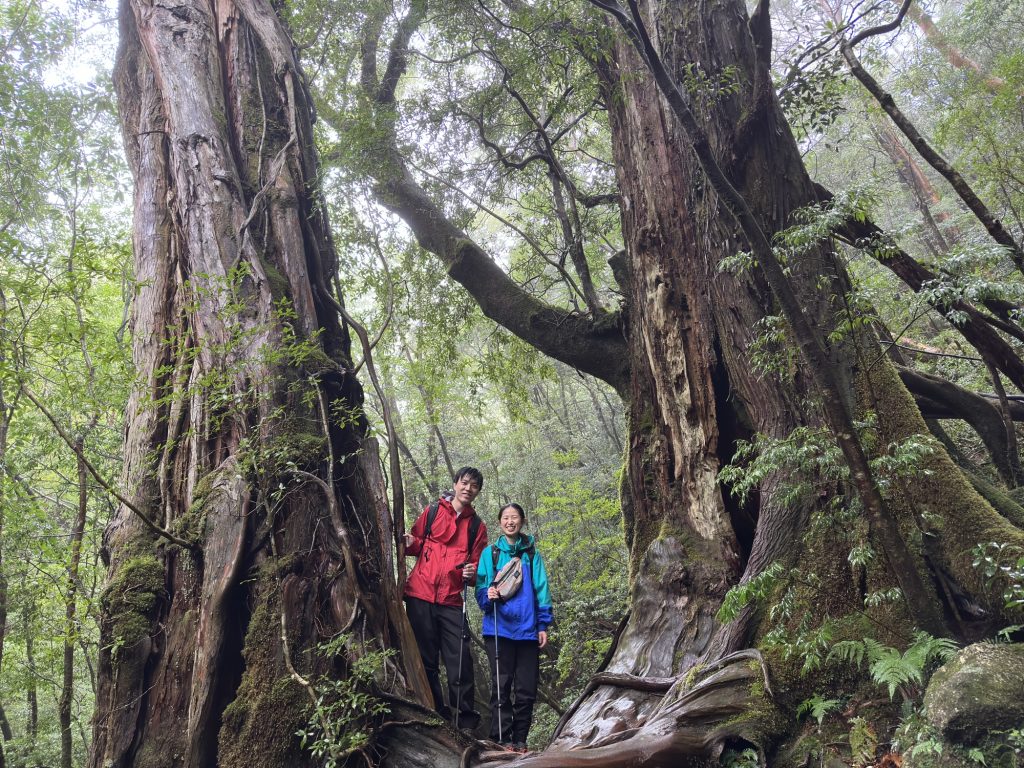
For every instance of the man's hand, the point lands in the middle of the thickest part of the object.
(469, 571)
(408, 539)
(542, 638)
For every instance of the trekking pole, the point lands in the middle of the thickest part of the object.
(462, 647)
(497, 680)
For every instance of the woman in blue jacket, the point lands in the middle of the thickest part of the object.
(515, 629)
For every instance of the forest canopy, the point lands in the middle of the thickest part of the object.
(728, 296)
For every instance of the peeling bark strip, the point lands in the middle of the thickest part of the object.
(233, 257)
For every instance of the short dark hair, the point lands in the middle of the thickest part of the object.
(516, 507)
(471, 472)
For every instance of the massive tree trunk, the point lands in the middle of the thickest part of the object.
(246, 441)
(692, 332)
(679, 684)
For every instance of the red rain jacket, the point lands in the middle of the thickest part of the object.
(435, 577)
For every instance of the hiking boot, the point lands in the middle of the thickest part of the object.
(520, 747)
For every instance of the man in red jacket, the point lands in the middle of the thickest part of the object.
(446, 559)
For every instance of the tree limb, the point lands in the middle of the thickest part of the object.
(593, 346)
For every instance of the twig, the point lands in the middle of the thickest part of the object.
(80, 452)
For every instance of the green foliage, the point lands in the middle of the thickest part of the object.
(906, 671)
(744, 758)
(812, 98)
(64, 275)
(345, 711)
(810, 461)
(705, 88)
(817, 707)
(583, 550)
(1002, 566)
(756, 589)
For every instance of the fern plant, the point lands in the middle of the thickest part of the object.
(905, 672)
(817, 707)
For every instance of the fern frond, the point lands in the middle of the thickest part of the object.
(850, 651)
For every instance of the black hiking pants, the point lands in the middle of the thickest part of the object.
(440, 629)
(518, 667)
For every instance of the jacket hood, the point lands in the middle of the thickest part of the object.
(523, 543)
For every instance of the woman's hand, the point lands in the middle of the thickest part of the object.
(408, 539)
(492, 593)
(542, 638)
(469, 571)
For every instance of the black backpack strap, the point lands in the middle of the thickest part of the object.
(431, 515)
(474, 531)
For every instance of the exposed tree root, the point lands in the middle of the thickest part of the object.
(726, 701)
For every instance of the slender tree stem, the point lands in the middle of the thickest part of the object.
(79, 451)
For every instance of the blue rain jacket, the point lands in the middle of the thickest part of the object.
(528, 611)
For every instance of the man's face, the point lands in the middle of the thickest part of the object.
(466, 489)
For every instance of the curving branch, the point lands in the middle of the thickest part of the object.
(592, 345)
(941, 399)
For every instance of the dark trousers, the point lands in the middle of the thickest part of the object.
(517, 667)
(441, 629)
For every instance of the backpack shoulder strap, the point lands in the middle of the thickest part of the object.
(431, 515)
(494, 557)
(474, 531)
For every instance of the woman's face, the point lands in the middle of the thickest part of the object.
(510, 522)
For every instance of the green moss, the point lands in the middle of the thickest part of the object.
(258, 727)
(693, 674)
(280, 287)
(315, 360)
(191, 526)
(1005, 503)
(303, 448)
(131, 598)
(955, 515)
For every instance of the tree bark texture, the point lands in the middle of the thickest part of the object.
(694, 390)
(5, 422)
(245, 434)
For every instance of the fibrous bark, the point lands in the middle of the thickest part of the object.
(245, 435)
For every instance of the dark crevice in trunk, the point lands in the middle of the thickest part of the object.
(733, 426)
(230, 665)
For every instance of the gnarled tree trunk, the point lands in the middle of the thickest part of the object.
(695, 390)
(245, 436)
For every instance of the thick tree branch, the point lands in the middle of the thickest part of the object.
(942, 399)
(594, 347)
(976, 327)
